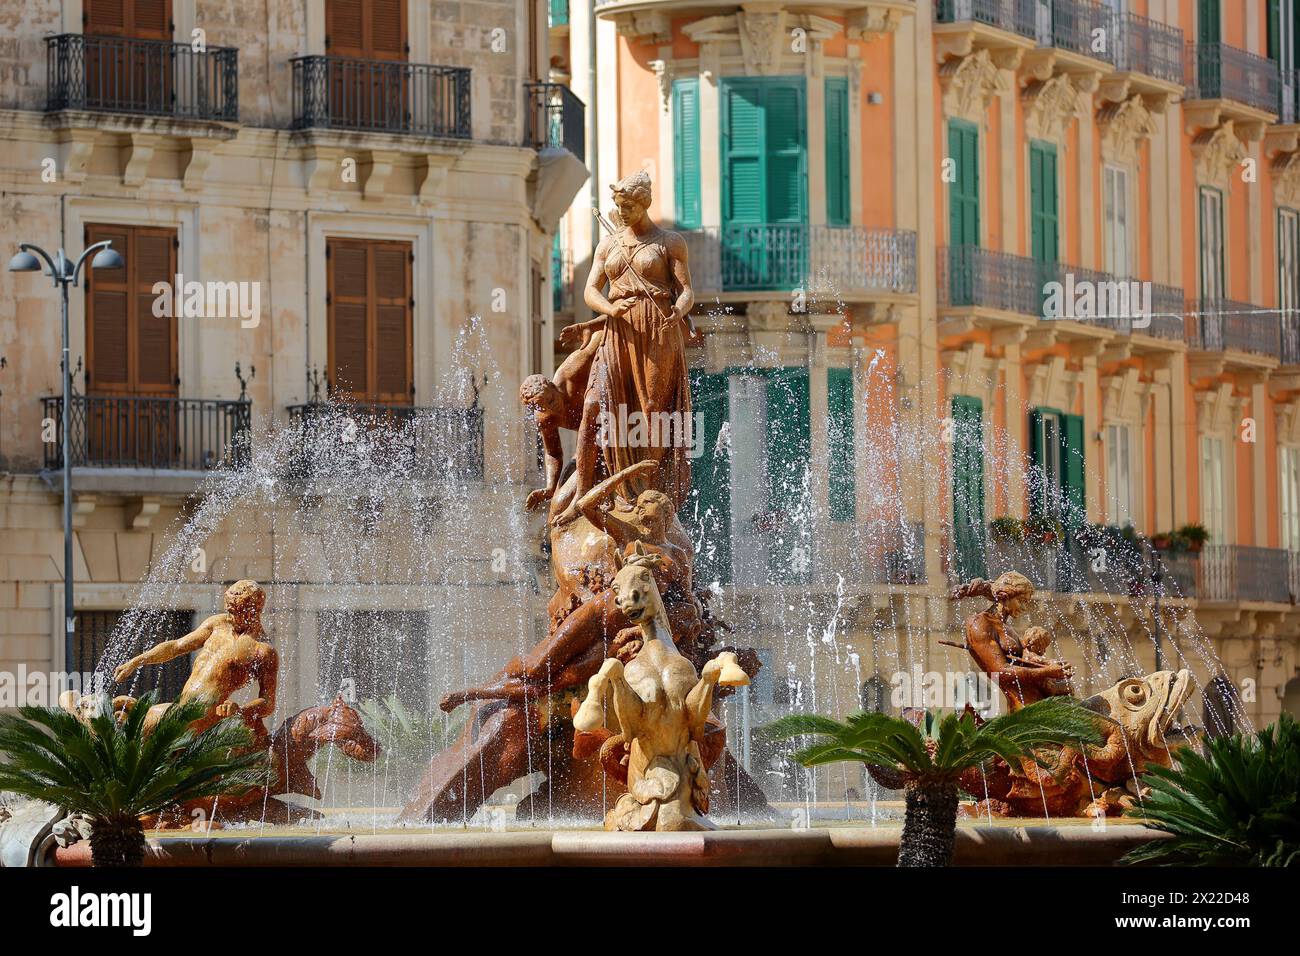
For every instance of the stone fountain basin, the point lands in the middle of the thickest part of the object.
(1023, 843)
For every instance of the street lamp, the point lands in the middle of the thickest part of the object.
(64, 273)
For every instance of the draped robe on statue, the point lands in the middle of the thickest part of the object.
(641, 368)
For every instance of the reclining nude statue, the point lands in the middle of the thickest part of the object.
(230, 654)
(620, 494)
(660, 707)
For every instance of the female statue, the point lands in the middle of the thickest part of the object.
(637, 405)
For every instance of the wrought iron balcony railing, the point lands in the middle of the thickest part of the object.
(1219, 325)
(1289, 103)
(1073, 25)
(554, 117)
(443, 442)
(1238, 573)
(1148, 47)
(331, 92)
(1012, 16)
(1216, 71)
(174, 434)
(151, 77)
(1167, 305)
(843, 259)
(985, 278)
(1290, 337)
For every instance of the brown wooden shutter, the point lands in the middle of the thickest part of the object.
(345, 27)
(129, 351)
(150, 19)
(155, 336)
(387, 22)
(106, 17)
(392, 336)
(107, 323)
(370, 346)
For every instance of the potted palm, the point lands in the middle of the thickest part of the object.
(113, 773)
(1195, 535)
(928, 760)
(1238, 804)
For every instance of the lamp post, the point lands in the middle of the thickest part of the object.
(1157, 585)
(64, 272)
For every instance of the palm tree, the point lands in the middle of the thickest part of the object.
(1236, 805)
(927, 761)
(112, 772)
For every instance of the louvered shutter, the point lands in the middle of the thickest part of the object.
(839, 439)
(108, 318)
(155, 336)
(348, 333)
(392, 336)
(838, 212)
(686, 147)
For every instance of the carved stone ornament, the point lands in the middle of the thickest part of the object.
(1218, 154)
(1050, 107)
(1124, 126)
(970, 84)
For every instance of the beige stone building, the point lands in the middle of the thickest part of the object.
(375, 183)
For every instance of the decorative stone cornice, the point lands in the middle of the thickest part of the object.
(1050, 107)
(762, 35)
(645, 25)
(970, 84)
(664, 73)
(873, 21)
(1124, 126)
(1288, 422)
(1217, 155)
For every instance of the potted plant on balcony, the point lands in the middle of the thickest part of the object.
(1007, 530)
(1043, 530)
(1195, 535)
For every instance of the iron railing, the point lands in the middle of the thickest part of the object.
(331, 92)
(893, 552)
(1289, 101)
(1217, 71)
(986, 278)
(1239, 573)
(127, 431)
(151, 77)
(1013, 16)
(554, 117)
(1219, 325)
(1073, 25)
(838, 259)
(1290, 337)
(1167, 305)
(561, 280)
(1147, 46)
(445, 442)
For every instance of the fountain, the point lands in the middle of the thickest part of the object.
(628, 695)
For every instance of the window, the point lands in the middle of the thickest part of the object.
(366, 29)
(1119, 476)
(367, 94)
(686, 151)
(1044, 217)
(1212, 265)
(838, 212)
(93, 632)
(139, 19)
(370, 655)
(1115, 195)
(369, 308)
(1213, 514)
(764, 182)
(968, 485)
(1288, 281)
(1289, 494)
(129, 350)
(1208, 21)
(839, 440)
(1057, 479)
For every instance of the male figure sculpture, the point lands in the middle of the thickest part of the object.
(231, 654)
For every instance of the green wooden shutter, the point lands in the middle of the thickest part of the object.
(839, 441)
(707, 510)
(788, 446)
(963, 209)
(1208, 19)
(1044, 215)
(686, 151)
(968, 485)
(1274, 18)
(837, 152)
(764, 167)
(1073, 472)
(1038, 465)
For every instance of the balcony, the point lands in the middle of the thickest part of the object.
(1069, 26)
(853, 262)
(381, 96)
(1232, 573)
(144, 77)
(1004, 27)
(983, 279)
(432, 443)
(554, 119)
(1148, 55)
(1225, 326)
(157, 434)
(1225, 83)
